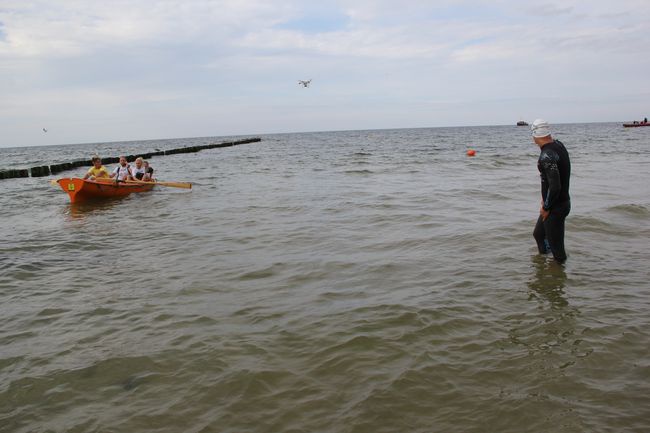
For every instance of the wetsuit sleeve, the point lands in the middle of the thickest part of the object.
(549, 165)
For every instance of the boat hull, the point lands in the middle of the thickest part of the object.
(635, 125)
(83, 190)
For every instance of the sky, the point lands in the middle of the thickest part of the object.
(112, 70)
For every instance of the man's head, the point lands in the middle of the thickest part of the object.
(541, 132)
(123, 161)
(97, 161)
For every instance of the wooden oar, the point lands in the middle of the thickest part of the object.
(186, 185)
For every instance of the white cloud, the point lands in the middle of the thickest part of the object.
(176, 58)
(68, 28)
(376, 28)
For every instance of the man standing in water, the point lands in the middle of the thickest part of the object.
(555, 169)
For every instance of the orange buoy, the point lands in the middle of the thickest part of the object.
(471, 152)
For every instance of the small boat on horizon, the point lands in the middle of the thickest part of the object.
(636, 124)
(522, 123)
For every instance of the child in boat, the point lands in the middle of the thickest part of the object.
(148, 172)
(97, 170)
(138, 171)
(122, 172)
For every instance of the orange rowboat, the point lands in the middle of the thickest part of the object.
(82, 190)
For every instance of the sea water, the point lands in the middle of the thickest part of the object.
(357, 281)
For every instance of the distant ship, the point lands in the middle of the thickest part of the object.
(522, 123)
(635, 124)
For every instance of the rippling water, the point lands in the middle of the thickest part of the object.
(364, 281)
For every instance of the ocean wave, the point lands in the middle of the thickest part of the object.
(633, 210)
(358, 172)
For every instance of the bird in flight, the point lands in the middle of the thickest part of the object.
(304, 83)
(44, 130)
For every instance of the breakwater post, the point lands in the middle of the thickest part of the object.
(46, 170)
(9, 174)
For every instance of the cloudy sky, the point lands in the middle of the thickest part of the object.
(111, 70)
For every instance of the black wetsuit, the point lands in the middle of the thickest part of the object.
(555, 170)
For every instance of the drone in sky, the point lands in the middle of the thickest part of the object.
(304, 83)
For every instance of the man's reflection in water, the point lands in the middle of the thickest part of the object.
(548, 282)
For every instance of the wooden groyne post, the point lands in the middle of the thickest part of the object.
(46, 170)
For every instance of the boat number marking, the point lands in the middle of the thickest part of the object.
(71, 187)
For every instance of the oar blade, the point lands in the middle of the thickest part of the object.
(186, 185)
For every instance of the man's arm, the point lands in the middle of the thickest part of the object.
(552, 172)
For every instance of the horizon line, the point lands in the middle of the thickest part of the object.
(285, 133)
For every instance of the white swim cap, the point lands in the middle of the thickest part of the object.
(540, 128)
